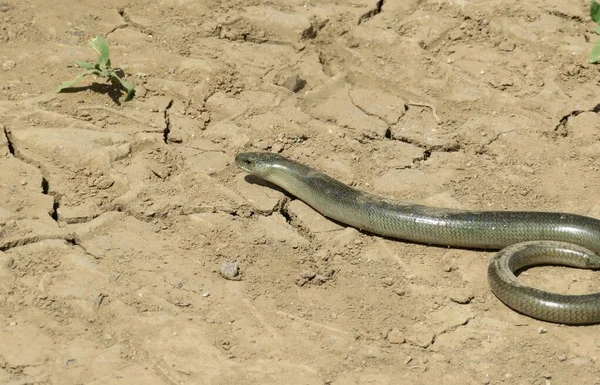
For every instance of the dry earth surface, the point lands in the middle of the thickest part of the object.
(116, 217)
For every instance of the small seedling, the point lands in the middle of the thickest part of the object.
(595, 15)
(102, 68)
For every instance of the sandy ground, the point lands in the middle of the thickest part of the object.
(116, 217)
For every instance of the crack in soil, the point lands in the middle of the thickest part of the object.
(561, 128)
(283, 210)
(56, 204)
(373, 115)
(45, 185)
(23, 241)
(450, 329)
(9, 143)
(129, 23)
(167, 119)
(373, 12)
(427, 149)
(312, 31)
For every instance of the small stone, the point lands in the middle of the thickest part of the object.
(461, 297)
(507, 46)
(457, 34)
(327, 272)
(175, 138)
(277, 148)
(158, 169)
(229, 270)
(8, 65)
(388, 281)
(71, 362)
(450, 268)
(103, 183)
(542, 330)
(309, 274)
(562, 358)
(394, 336)
(320, 279)
(508, 375)
(6, 262)
(140, 91)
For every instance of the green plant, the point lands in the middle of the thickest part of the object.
(595, 15)
(102, 68)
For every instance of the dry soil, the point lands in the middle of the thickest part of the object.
(115, 218)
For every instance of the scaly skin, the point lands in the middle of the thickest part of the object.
(525, 238)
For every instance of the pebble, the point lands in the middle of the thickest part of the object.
(277, 148)
(461, 297)
(6, 262)
(562, 358)
(103, 183)
(140, 91)
(506, 46)
(158, 169)
(456, 35)
(229, 270)
(542, 330)
(8, 65)
(394, 336)
(450, 268)
(309, 274)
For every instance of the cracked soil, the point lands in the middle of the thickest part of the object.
(116, 219)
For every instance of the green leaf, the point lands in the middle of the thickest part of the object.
(595, 11)
(72, 83)
(100, 45)
(595, 54)
(128, 87)
(85, 65)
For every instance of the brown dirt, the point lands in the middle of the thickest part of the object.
(115, 217)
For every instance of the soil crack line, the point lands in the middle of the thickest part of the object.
(45, 185)
(561, 127)
(23, 241)
(433, 110)
(427, 149)
(128, 23)
(9, 143)
(371, 114)
(451, 329)
(373, 12)
(167, 119)
(498, 135)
